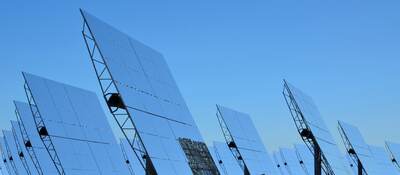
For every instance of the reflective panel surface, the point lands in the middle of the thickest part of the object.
(40, 152)
(247, 140)
(292, 162)
(10, 146)
(394, 150)
(150, 94)
(129, 155)
(226, 160)
(217, 160)
(279, 163)
(77, 126)
(21, 148)
(383, 161)
(361, 148)
(305, 157)
(320, 131)
(4, 157)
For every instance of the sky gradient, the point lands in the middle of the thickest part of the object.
(345, 54)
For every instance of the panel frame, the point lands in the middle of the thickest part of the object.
(109, 89)
(27, 142)
(9, 154)
(41, 129)
(304, 130)
(4, 156)
(19, 149)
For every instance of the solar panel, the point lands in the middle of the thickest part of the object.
(279, 163)
(130, 159)
(13, 153)
(383, 161)
(73, 128)
(136, 82)
(305, 158)
(394, 150)
(243, 137)
(32, 142)
(23, 155)
(226, 160)
(4, 156)
(357, 148)
(292, 163)
(351, 165)
(313, 129)
(217, 160)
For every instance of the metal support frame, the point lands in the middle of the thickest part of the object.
(10, 157)
(5, 161)
(109, 89)
(393, 159)
(351, 151)
(20, 152)
(41, 129)
(128, 163)
(229, 141)
(28, 144)
(304, 130)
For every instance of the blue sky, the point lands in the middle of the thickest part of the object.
(343, 53)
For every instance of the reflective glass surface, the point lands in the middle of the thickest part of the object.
(248, 141)
(361, 148)
(78, 127)
(320, 131)
(151, 95)
(226, 159)
(4, 156)
(130, 155)
(280, 163)
(292, 162)
(21, 147)
(383, 161)
(10, 145)
(27, 121)
(305, 157)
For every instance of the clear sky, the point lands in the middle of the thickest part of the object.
(344, 53)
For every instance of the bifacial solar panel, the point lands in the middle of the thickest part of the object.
(227, 161)
(38, 150)
(305, 157)
(77, 126)
(13, 153)
(292, 163)
(383, 161)
(130, 158)
(23, 154)
(320, 131)
(247, 141)
(394, 150)
(280, 164)
(4, 156)
(361, 149)
(150, 95)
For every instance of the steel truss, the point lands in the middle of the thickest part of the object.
(231, 143)
(41, 129)
(114, 101)
(28, 144)
(351, 151)
(393, 159)
(10, 157)
(19, 150)
(304, 130)
(5, 162)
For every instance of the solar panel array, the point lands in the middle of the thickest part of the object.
(227, 162)
(361, 149)
(247, 141)
(78, 128)
(38, 151)
(305, 157)
(320, 131)
(63, 129)
(149, 94)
